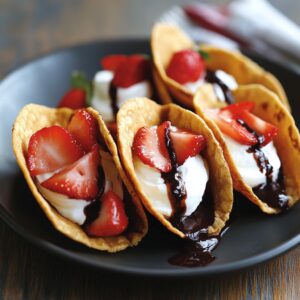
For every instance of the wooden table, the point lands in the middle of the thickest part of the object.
(31, 28)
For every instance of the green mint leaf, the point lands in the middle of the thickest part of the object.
(205, 55)
(79, 80)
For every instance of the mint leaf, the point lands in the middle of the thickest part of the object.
(205, 55)
(79, 80)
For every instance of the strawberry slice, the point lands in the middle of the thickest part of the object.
(78, 180)
(161, 134)
(236, 108)
(186, 144)
(84, 128)
(112, 219)
(229, 126)
(132, 70)
(74, 98)
(147, 146)
(186, 66)
(51, 148)
(111, 62)
(262, 127)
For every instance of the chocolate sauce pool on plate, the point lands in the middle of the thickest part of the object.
(272, 193)
(198, 244)
(212, 77)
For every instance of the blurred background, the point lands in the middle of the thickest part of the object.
(35, 27)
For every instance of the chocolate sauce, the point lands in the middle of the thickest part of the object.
(198, 244)
(272, 193)
(212, 77)
(113, 98)
(174, 180)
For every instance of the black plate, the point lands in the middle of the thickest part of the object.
(252, 238)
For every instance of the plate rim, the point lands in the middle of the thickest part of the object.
(52, 248)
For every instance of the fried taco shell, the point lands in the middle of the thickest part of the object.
(287, 142)
(35, 117)
(168, 39)
(139, 112)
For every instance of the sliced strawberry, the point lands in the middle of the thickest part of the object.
(132, 70)
(236, 108)
(146, 146)
(51, 148)
(78, 180)
(84, 128)
(111, 62)
(262, 127)
(112, 219)
(229, 126)
(186, 144)
(74, 98)
(186, 66)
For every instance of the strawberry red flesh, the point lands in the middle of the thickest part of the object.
(84, 128)
(112, 219)
(186, 144)
(161, 134)
(236, 108)
(229, 126)
(74, 99)
(132, 70)
(186, 66)
(51, 148)
(78, 180)
(146, 146)
(260, 126)
(111, 62)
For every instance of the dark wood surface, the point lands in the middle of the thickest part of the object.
(32, 28)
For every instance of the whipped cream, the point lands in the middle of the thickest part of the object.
(73, 209)
(101, 100)
(194, 173)
(247, 165)
(228, 80)
(194, 86)
(225, 77)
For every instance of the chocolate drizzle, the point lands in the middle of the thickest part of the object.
(198, 244)
(272, 193)
(212, 77)
(113, 98)
(174, 180)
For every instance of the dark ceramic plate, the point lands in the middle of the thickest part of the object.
(251, 239)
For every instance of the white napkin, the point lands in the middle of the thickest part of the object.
(267, 30)
(258, 20)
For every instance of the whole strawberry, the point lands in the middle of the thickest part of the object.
(186, 66)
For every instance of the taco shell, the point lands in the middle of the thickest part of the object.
(168, 39)
(287, 142)
(35, 117)
(139, 112)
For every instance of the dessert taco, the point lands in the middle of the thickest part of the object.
(173, 161)
(71, 165)
(184, 68)
(260, 141)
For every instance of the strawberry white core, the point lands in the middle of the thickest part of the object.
(101, 99)
(247, 165)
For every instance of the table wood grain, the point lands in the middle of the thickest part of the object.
(32, 28)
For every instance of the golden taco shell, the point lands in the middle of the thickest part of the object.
(168, 39)
(269, 108)
(139, 112)
(35, 117)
